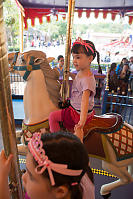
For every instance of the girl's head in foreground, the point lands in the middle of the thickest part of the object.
(61, 162)
(83, 52)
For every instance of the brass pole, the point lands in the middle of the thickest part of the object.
(107, 79)
(71, 7)
(6, 114)
(21, 28)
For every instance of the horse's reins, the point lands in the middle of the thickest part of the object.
(27, 68)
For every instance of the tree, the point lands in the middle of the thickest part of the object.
(55, 29)
(11, 18)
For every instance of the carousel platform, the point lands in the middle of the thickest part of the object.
(125, 192)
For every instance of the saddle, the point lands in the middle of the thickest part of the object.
(104, 124)
(95, 130)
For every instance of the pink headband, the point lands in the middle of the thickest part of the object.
(83, 43)
(35, 146)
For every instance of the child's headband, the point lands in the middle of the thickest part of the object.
(83, 43)
(35, 146)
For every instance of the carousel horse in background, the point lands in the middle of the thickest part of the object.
(113, 138)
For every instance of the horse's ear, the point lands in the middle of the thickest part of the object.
(11, 57)
(50, 59)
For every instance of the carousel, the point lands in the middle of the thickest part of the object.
(111, 134)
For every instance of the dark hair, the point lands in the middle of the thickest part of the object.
(59, 57)
(131, 58)
(124, 59)
(79, 48)
(66, 148)
(113, 66)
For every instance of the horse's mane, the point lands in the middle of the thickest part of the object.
(51, 76)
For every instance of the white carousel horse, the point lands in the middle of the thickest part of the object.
(113, 139)
(42, 85)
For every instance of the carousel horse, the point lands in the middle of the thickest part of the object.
(113, 138)
(42, 85)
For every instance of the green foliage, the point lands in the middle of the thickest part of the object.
(55, 29)
(11, 48)
(11, 18)
(107, 27)
(101, 27)
(80, 28)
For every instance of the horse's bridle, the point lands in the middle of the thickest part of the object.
(25, 68)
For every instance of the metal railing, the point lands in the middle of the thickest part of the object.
(121, 104)
(17, 84)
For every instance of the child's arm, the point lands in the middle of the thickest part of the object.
(5, 165)
(84, 108)
(123, 72)
(83, 115)
(78, 131)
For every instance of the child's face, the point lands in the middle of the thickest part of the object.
(131, 60)
(61, 62)
(35, 185)
(124, 61)
(81, 61)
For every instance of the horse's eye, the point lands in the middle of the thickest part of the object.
(23, 59)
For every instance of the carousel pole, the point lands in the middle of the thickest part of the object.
(106, 92)
(6, 115)
(65, 86)
(21, 22)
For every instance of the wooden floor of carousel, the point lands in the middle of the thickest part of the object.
(100, 177)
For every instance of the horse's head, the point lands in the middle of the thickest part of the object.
(24, 63)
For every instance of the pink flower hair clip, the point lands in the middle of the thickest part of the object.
(35, 146)
(83, 43)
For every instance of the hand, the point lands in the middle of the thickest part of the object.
(79, 132)
(80, 124)
(5, 164)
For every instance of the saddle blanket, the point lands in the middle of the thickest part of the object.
(122, 143)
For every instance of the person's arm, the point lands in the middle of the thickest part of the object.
(5, 165)
(78, 131)
(123, 72)
(83, 115)
(84, 108)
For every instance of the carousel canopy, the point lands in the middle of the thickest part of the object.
(88, 4)
(40, 8)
